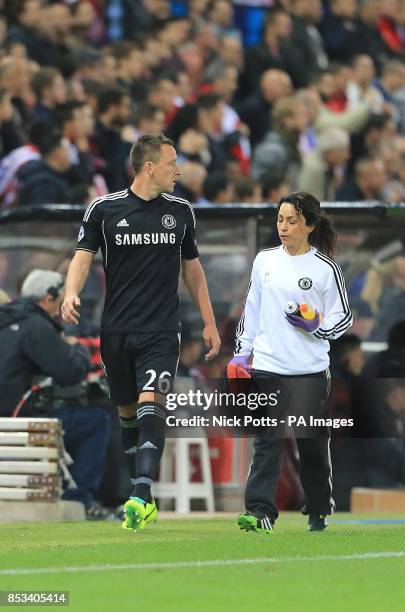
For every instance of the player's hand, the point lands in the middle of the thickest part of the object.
(68, 310)
(212, 341)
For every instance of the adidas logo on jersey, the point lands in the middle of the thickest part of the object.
(148, 445)
(123, 223)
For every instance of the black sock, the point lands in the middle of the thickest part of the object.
(129, 440)
(151, 423)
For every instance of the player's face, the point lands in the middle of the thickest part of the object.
(166, 171)
(292, 228)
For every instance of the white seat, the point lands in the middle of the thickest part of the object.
(176, 461)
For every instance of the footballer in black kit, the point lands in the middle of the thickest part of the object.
(147, 237)
(142, 243)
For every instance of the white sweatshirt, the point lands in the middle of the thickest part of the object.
(277, 278)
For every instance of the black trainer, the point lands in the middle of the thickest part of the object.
(257, 522)
(317, 522)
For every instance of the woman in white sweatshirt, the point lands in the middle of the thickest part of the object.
(290, 353)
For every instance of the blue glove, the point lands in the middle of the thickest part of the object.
(308, 325)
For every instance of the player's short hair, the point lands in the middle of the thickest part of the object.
(148, 148)
(40, 283)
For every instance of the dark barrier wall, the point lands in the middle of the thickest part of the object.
(371, 252)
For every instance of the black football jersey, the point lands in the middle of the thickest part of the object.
(142, 243)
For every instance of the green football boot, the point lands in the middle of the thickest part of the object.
(257, 522)
(137, 513)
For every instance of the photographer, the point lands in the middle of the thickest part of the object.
(32, 345)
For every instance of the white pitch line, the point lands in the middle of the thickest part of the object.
(191, 564)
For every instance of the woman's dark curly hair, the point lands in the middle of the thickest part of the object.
(323, 237)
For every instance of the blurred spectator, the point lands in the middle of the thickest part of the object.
(50, 90)
(271, 52)
(43, 30)
(222, 78)
(322, 170)
(91, 92)
(210, 115)
(192, 62)
(363, 317)
(370, 37)
(336, 100)
(256, 110)
(11, 163)
(389, 26)
(391, 362)
(320, 117)
(361, 88)
(190, 354)
(11, 136)
(76, 122)
(347, 357)
(306, 40)
(107, 141)
(231, 51)
(220, 13)
(129, 19)
(392, 80)
(278, 154)
(274, 188)
(90, 64)
(247, 191)
(367, 184)
(45, 181)
(340, 30)
(218, 189)
(189, 184)
(149, 119)
(162, 93)
(130, 69)
(366, 143)
(392, 86)
(389, 286)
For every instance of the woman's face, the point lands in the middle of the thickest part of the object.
(292, 228)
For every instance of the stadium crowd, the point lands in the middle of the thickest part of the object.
(312, 97)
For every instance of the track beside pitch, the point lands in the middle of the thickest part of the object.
(211, 565)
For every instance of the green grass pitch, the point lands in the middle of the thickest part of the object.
(209, 565)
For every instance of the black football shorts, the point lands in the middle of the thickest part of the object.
(139, 362)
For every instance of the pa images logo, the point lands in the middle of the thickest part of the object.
(305, 283)
(169, 222)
